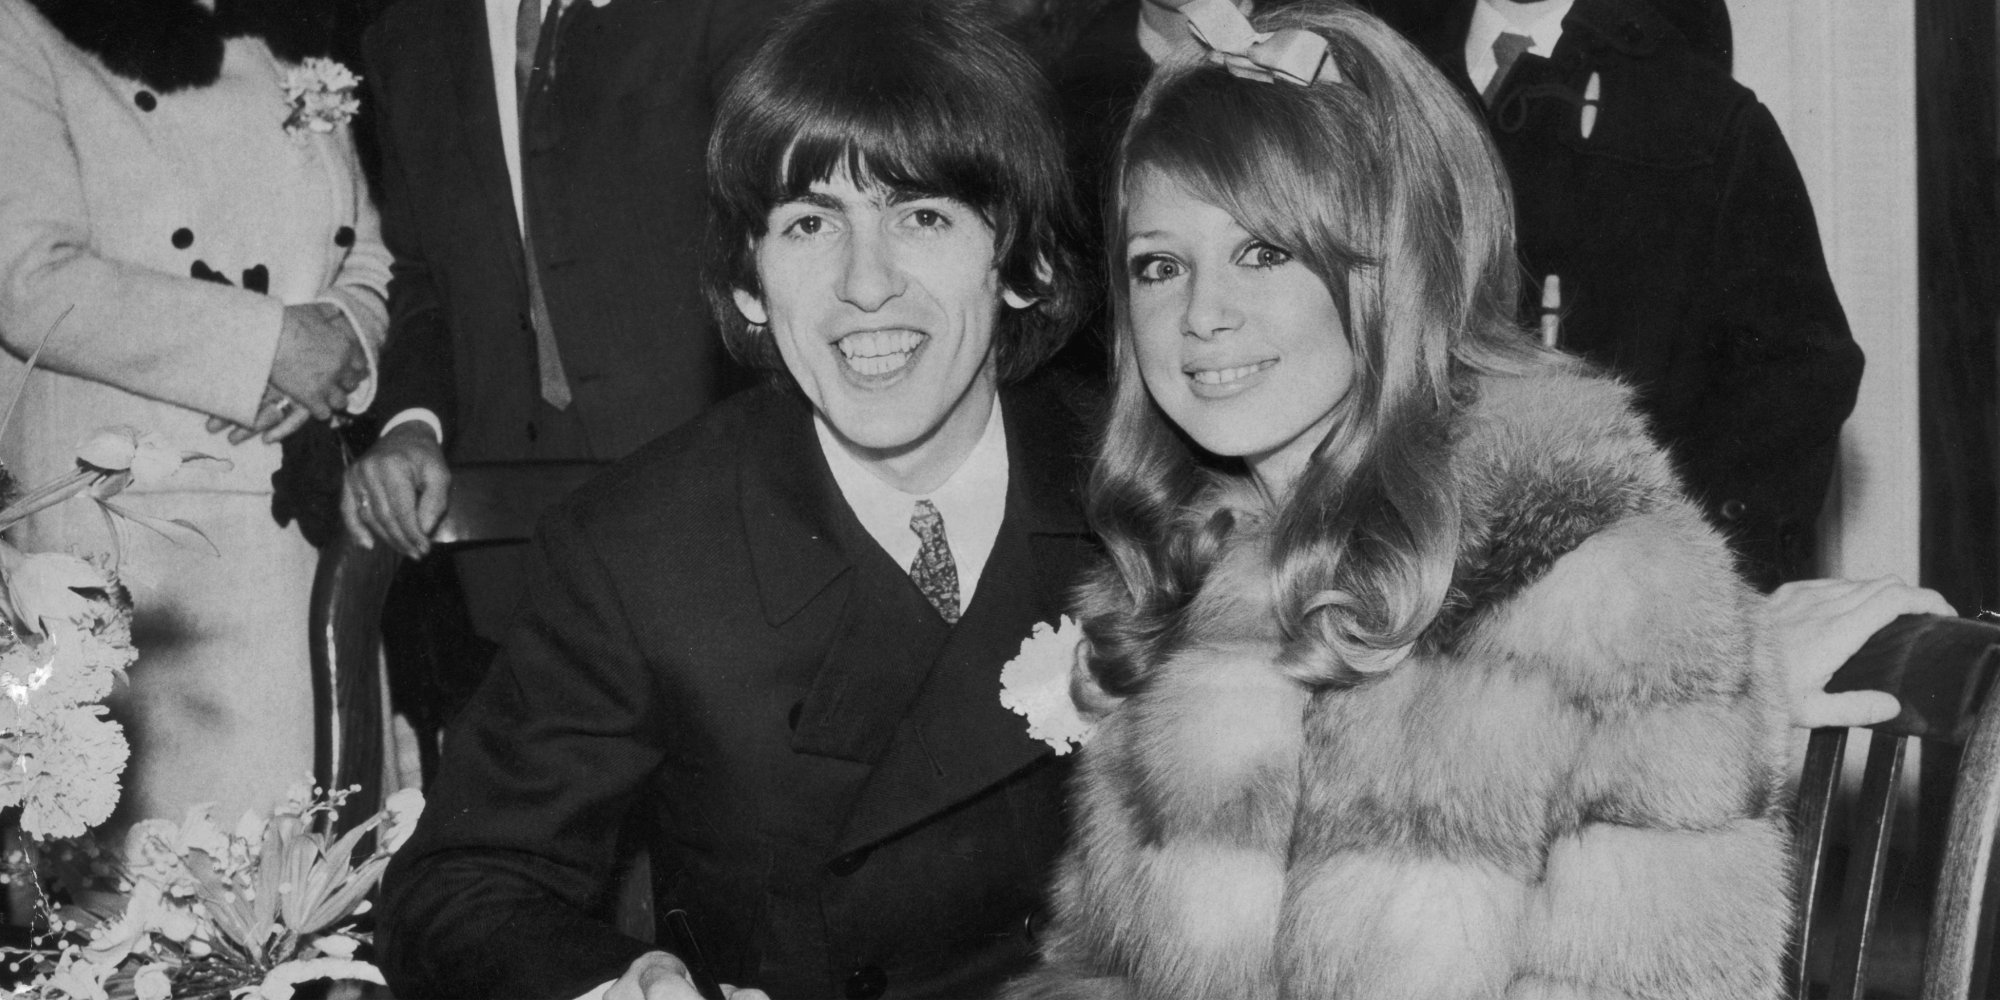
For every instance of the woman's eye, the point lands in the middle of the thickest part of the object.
(1153, 269)
(1263, 255)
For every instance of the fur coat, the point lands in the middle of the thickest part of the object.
(1568, 789)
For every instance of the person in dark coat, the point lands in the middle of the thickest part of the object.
(799, 705)
(1668, 236)
(595, 160)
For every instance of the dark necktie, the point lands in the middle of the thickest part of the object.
(934, 570)
(1507, 47)
(535, 48)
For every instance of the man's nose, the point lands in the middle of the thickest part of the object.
(873, 272)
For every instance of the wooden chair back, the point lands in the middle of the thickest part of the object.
(491, 503)
(1942, 669)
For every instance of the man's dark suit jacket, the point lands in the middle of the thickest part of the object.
(714, 643)
(1689, 258)
(616, 192)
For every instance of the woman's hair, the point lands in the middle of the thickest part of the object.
(1384, 185)
(925, 96)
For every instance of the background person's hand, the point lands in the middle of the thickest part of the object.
(277, 418)
(1814, 626)
(319, 361)
(657, 975)
(397, 491)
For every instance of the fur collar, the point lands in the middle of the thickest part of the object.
(171, 45)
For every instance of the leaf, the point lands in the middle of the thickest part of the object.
(33, 360)
(47, 495)
(301, 853)
(226, 906)
(175, 530)
(342, 904)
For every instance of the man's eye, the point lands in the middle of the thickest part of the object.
(809, 225)
(1154, 268)
(1263, 255)
(929, 218)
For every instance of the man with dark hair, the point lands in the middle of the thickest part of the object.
(774, 637)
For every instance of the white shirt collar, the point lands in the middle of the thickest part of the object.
(972, 502)
(1541, 21)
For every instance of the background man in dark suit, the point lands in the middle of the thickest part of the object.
(775, 636)
(1661, 199)
(566, 134)
(542, 193)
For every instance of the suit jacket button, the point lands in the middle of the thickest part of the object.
(866, 983)
(1732, 510)
(792, 717)
(847, 864)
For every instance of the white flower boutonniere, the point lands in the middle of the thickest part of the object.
(1036, 684)
(323, 95)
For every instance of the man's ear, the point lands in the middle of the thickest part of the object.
(1043, 273)
(751, 307)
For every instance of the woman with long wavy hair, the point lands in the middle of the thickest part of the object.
(1424, 677)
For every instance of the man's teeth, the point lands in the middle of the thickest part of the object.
(879, 352)
(1217, 376)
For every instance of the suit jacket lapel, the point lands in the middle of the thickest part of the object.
(956, 740)
(806, 545)
(475, 116)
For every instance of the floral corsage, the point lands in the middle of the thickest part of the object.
(323, 95)
(1036, 685)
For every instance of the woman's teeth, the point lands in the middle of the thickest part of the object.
(1219, 376)
(880, 352)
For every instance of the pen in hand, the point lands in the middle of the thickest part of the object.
(683, 944)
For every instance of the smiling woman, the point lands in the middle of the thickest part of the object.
(1435, 684)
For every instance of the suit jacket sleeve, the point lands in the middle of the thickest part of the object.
(1789, 366)
(417, 367)
(496, 892)
(193, 343)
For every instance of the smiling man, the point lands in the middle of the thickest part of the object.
(769, 644)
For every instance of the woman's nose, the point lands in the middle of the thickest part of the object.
(1212, 305)
(873, 275)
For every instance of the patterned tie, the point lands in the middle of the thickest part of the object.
(534, 69)
(1507, 47)
(935, 572)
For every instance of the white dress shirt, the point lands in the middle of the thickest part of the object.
(972, 502)
(1540, 20)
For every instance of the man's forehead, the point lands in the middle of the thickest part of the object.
(838, 191)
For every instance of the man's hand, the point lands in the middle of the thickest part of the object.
(657, 975)
(1814, 626)
(319, 360)
(397, 491)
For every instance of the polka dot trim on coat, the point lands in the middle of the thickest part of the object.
(343, 237)
(145, 100)
(183, 238)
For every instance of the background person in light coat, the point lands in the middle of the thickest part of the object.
(224, 284)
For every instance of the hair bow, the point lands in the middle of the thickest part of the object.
(1293, 55)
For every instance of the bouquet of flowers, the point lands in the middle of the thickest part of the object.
(66, 637)
(210, 914)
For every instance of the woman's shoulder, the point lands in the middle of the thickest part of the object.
(1553, 410)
